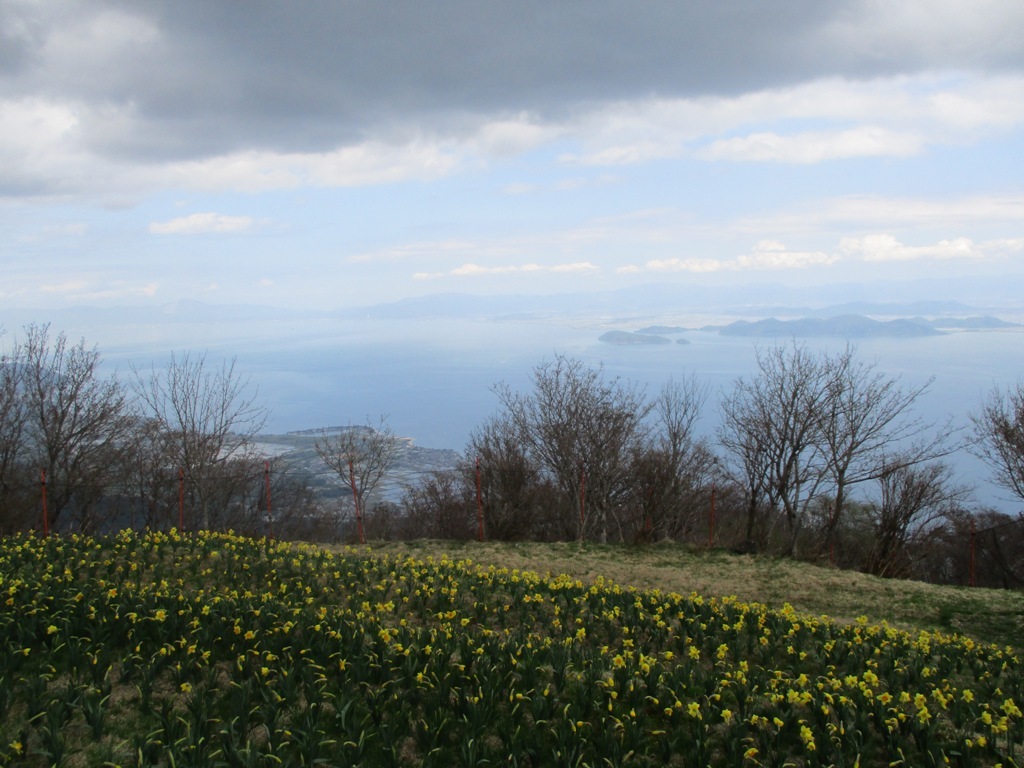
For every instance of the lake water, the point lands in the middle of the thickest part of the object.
(434, 378)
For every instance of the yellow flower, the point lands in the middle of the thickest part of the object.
(807, 735)
(185, 687)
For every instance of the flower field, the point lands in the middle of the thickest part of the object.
(211, 650)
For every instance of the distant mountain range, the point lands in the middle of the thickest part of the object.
(856, 327)
(846, 326)
(977, 300)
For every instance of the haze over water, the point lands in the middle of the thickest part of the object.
(434, 378)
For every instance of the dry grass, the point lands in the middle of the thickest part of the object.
(988, 615)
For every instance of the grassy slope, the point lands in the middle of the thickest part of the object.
(994, 616)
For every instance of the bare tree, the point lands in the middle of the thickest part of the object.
(999, 436)
(150, 479)
(771, 427)
(583, 430)
(78, 423)
(209, 420)
(360, 456)
(864, 417)
(915, 501)
(673, 466)
(13, 416)
(512, 487)
(749, 468)
(438, 507)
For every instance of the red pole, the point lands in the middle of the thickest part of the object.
(266, 481)
(711, 517)
(479, 505)
(181, 500)
(355, 500)
(46, 516)
(972, 551)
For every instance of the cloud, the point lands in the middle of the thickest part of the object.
(886, 248)
(415, 251)
(991, 214)
(368, 163)
(767, 255)
(570, 184)
(815, 147)
(895, 117)
(771, 255)
(82, 289)
(69, 286)
(905, 31)
(479, 270)
(59, 148)
(474, 270)
(181, 80)
(976, 209)
(201, 223)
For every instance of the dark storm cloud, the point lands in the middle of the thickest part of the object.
(192, 78)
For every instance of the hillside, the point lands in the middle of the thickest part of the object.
(989, 615)
(158, 649)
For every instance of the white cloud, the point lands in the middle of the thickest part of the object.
(473, 270)
(766, 255)
(770, 255)
(893, 117)
(82, 289)
(579, 266)
(58, 147)
(916, 211)
(415, 251)
(201, 223)
(886, 248)
(508, 137)
(51, 148)
(815, 147)
(364, 164)
(866, 214)
(69, 286)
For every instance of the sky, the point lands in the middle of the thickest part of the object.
(337, 153)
